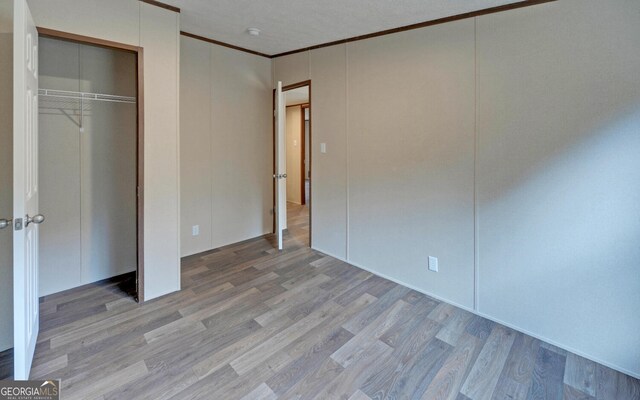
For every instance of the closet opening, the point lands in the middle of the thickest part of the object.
(297, 156)
(90, 165)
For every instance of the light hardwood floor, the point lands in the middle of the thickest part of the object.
(254, 323)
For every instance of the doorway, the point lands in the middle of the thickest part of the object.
(297, 121)
(90, 163)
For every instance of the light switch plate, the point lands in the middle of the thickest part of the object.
(433, 264)
(195, 230)
(323, 147)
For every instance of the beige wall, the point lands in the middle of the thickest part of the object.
(291, 69)
(293, 139)
(507, 146)
(116, 20)
(159, 36)
(6, 173)
(328, 170)
(196, 164)
(410, 156)
(226, 163)
(558, 168)
(157, 31)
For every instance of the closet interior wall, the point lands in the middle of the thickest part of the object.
(87, 166)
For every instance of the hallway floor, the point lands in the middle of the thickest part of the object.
(298, 223)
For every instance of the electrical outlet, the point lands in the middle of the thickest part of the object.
(433, 264)
(195, 230)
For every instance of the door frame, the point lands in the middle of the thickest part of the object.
(303, 155)
(308, 104)
(139, 53)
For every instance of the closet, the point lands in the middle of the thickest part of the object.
(87, 163)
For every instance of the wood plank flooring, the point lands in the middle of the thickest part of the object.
(254, 323)
(298, 222)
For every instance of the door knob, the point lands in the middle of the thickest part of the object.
(36, 219)
(5, 222)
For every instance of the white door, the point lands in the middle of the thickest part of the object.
(25, 189)
(281, 165)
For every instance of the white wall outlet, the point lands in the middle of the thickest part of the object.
(323, 147)
(433, 264)
(195, 230)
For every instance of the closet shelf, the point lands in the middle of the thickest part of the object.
(64, 94)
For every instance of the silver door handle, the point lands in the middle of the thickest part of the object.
(36, 219)
(5, 222)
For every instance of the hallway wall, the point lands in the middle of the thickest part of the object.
(294, 141)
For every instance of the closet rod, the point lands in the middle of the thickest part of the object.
(85, 96)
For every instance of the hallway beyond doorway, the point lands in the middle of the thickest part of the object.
(298, 223)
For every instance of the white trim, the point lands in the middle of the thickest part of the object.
(476, 218)
(346, 151)
(178, 187)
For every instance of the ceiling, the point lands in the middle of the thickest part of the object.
(294, 24)
(297, 96)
